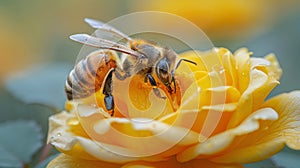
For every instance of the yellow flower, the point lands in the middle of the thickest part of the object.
(219, 18)
(221, 120)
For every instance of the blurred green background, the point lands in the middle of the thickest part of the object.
(35, 33)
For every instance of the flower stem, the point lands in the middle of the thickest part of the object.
(45, 153)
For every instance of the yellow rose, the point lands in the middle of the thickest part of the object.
(219, 18)
(221, 119)
(222, 19)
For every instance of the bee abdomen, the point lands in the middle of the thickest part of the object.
(88, 75)
(75, 88)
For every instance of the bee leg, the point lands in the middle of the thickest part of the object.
(173, 81)
(121, 76)
(153, 83)
(107, 91)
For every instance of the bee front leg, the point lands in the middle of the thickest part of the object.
(153, 83)
(173, 81)
(120, 74)
(107, 91)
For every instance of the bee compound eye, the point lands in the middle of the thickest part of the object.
(162, 71)
(162, 67)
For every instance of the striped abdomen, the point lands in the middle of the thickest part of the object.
(88, 74)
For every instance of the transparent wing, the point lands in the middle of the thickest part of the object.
(102, 27)
(104, 44)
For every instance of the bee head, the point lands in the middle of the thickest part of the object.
(164, 72)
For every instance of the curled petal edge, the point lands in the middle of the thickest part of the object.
(220, 142)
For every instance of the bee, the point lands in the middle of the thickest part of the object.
(140, 58)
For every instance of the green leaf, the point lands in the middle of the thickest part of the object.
(8, 160)
(13, 109)
(41, 84)
(287, 158)
(21, 139)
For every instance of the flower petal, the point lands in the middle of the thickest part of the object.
(59, 135)
(135, 99)
(134, 134)
(65, 161)
(72, 143)
(229, 66)
(231, 94)
(252, 98)
(220, 142)
(173, 163)
(207, 120)
(288, 108)
(252, 153)
(272, 135)
(274, 68)
(111, 153)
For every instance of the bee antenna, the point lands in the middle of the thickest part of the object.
(186, 60)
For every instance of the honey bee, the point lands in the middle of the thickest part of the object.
(141, 58)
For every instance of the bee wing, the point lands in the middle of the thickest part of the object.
(107, 28)
(104, 44)
(108, 36)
